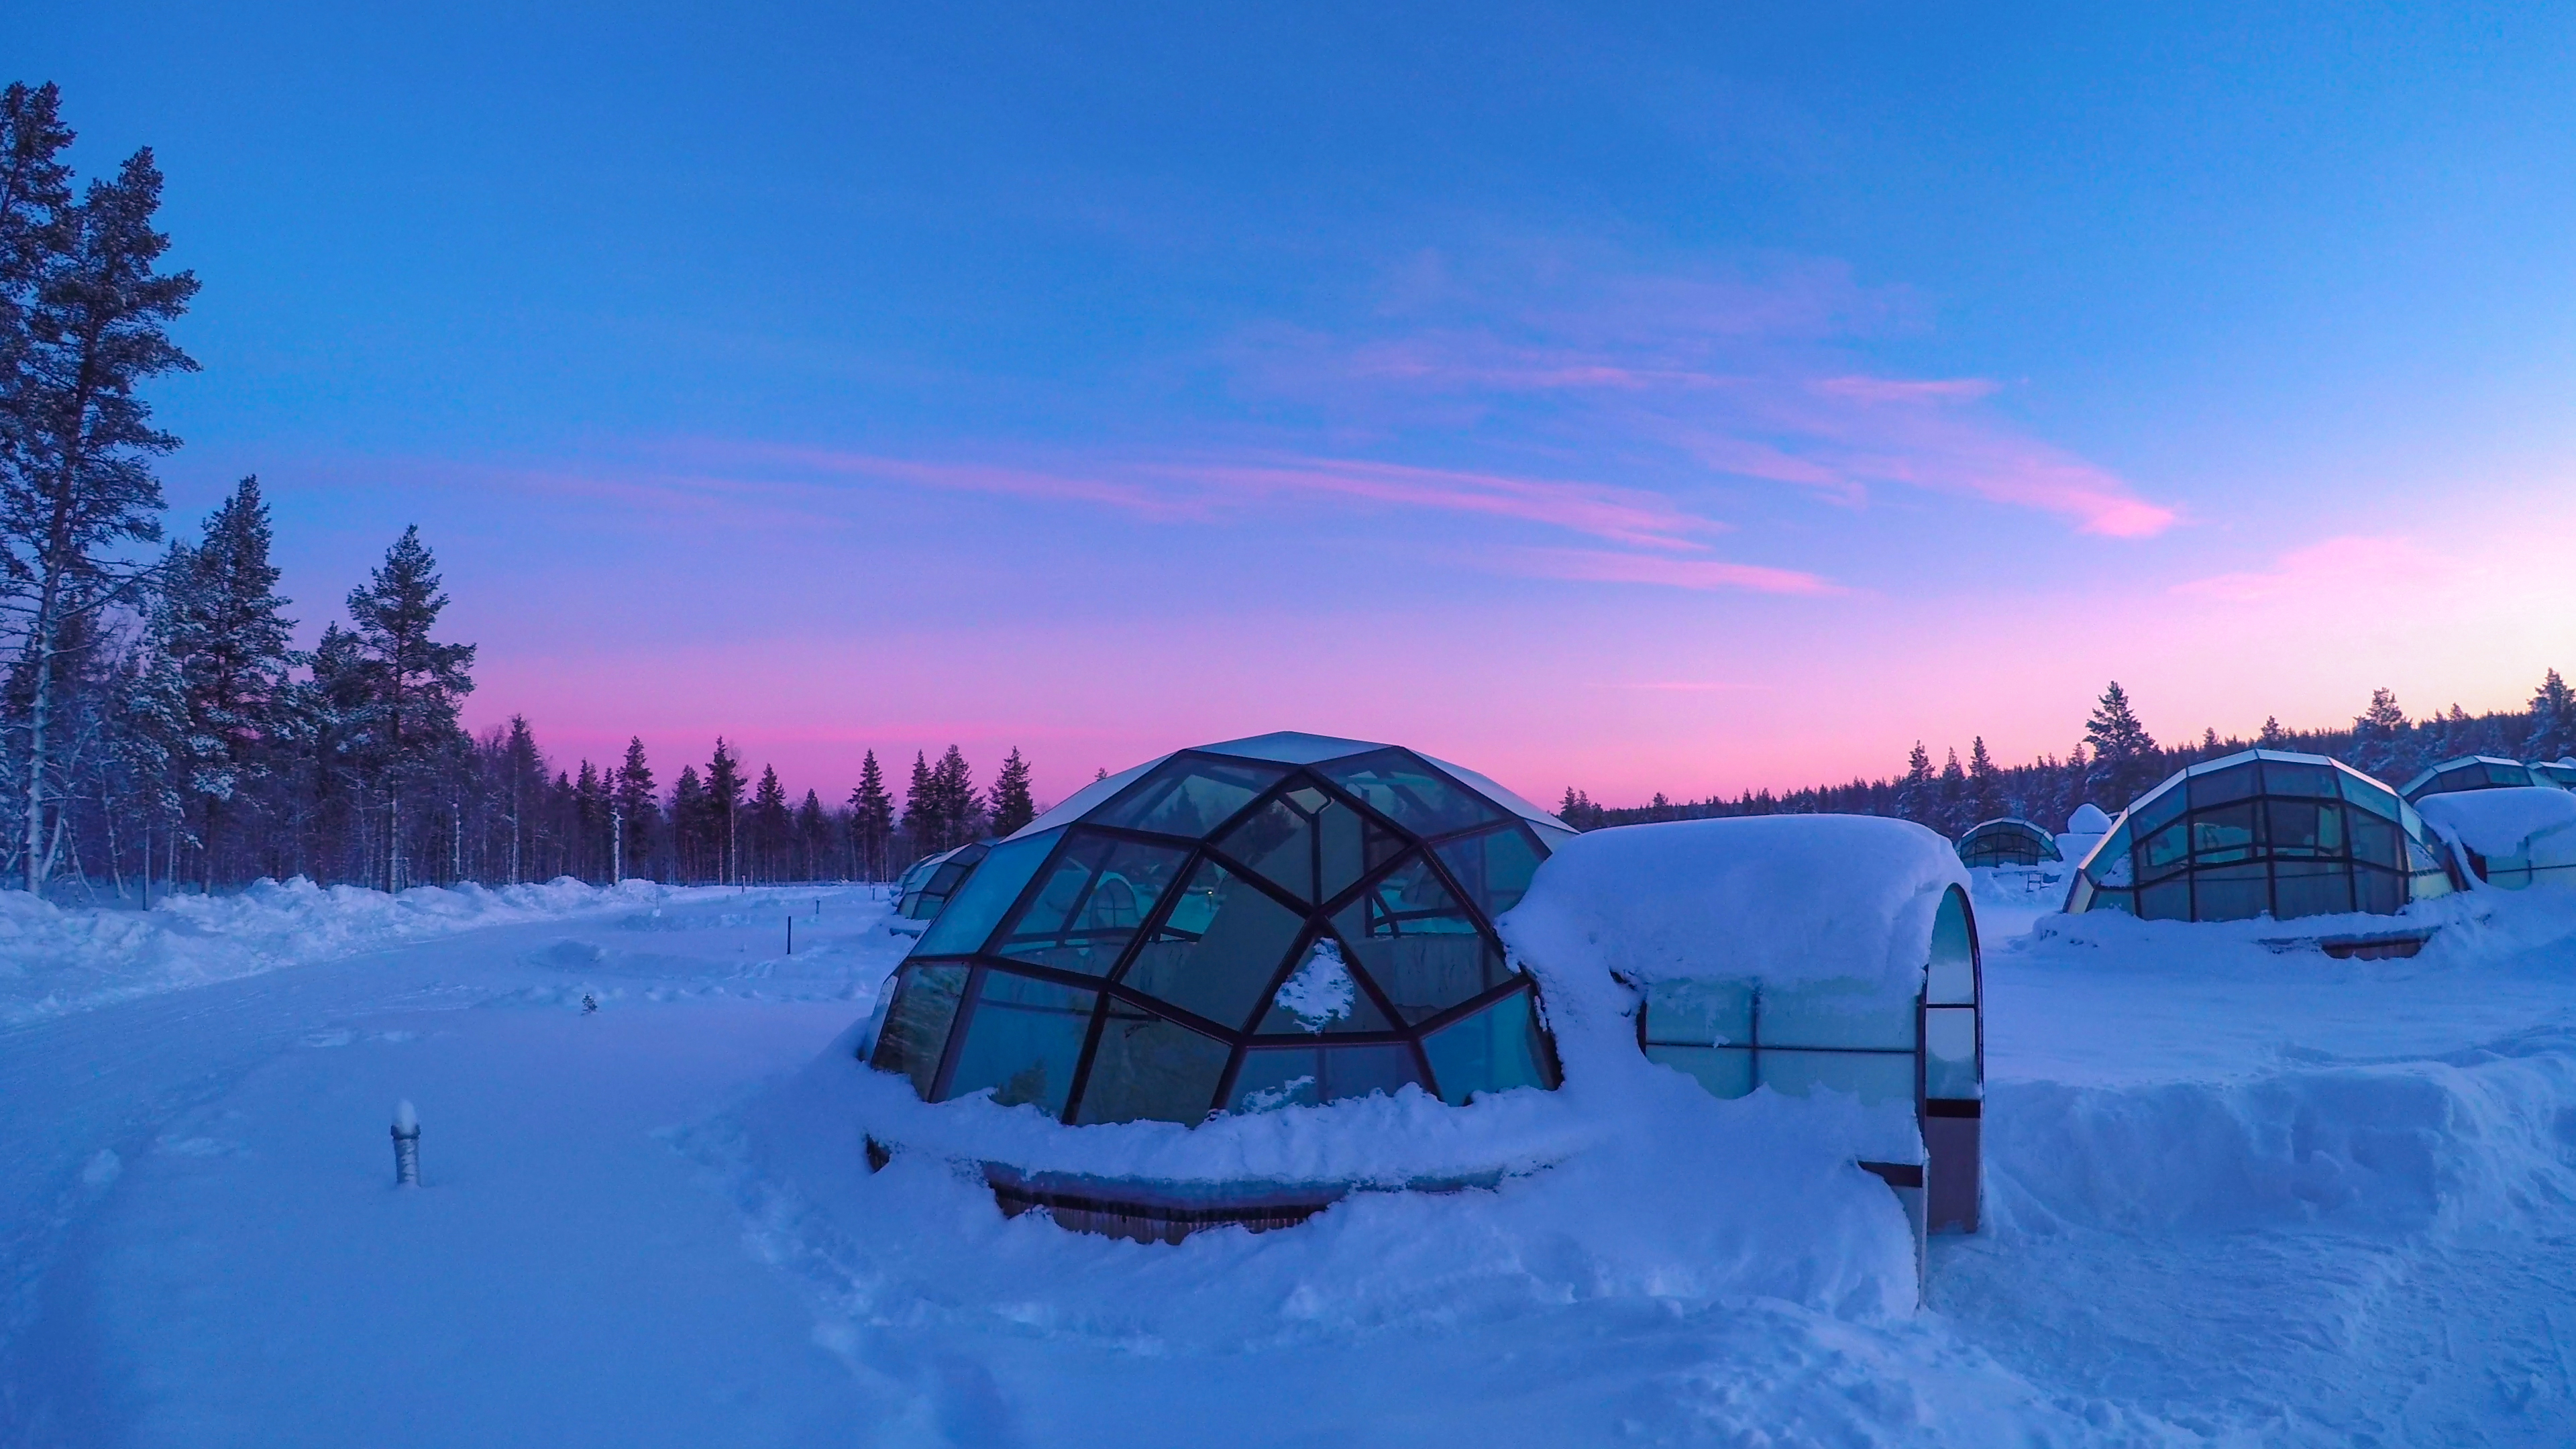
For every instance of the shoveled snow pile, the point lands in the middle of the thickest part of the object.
(54, 959)
(2533, 821)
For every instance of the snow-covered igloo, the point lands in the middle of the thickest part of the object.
(2263, 832)
(2468, 772)
(2007, 840)
(2510, 837)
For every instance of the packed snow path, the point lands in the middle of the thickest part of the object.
(2236, 1197)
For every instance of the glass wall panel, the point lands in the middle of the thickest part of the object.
(2369, 794)
(1494, 1050)
(1952, 978)
(2125, 902)
(2170, 901)
(2156, 811)
(1423, 972)
(1950, 1052)
(2112, 865)
(2220, 787)
(2376, 841)
(1399, 786)
(1724, 1071)
(1699, 1013)
(1023, 1038)
(1149, 1068)
(2380, 892)
(2289, 777)
(2166, 851)
(1095, 895)
(1190, 796)
(1277, 843)
(1342, 841)
(1219, 950)
(962, 927)
(1286, 1076)
(916, 1025)
(1494, 869)
(1871, 1076)
(2224, 835)
(2307, 828)
(2231, 892)
(2310, 888)
(1834, 1014)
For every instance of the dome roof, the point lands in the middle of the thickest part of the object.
(1264, 922)
(2009, 840)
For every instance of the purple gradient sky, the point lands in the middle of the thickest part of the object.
(1591, 395)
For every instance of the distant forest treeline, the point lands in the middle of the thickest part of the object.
(2116, 760)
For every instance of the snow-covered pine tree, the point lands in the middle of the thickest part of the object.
(871, 819)
(414, 682)
(695, 835)
(724, 811)
(2378, 737)
(813, 838)
(1914, 794)
(87, 325)
(2553, 720)
(1985, 784)
(217, 619)
(1009, 800)
(2273, 737)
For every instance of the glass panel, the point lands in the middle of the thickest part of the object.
(1699, 1013)
(2429, 885)
(1151, 1068)
(962, 927)
(2230, 892)
(2368, 794)
(1023, 1039)
(2111, 863)
(916, 1026)
(1435, 963)
(1341, 850)
(1952, 979)
(1870, 1076)
(2310, 888)
(2314, 782)
(1835, 1014)
(1494, 869)
(2375, 841)
(1191, 795)
(1950, 1052)
(2379, 892)
(2220, 787)
(2170, 901)
(1494, 1050)
(2125, 902)
(2223, 836)
(1399, 786)
(2165, 852)
(1724, 1071)
(2079, 894)
(2304, 828)
(1276, 842)
(1281, 1077)
(1095, 895)
(1220, 948)
(2152, 814)
(1322, 996)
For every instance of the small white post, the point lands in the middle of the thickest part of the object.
(406, 1145)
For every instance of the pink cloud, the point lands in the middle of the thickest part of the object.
(1609, 567)
(2323, 570)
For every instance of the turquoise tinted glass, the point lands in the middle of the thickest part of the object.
(1096, 894)
(1494, 869)
(1190, 795)
(1724, 1071)
(916, 1025)
(1277, 843)
(1147, 1067)
(1494, 1050)
(1023, 1038)
(1220, 951)
(1399, 786)
(989, 893)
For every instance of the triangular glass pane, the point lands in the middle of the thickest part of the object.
(1278, 844)
(1090, 903)
(1399, 786)
(1322, 997)
(1220, 948)
(1190, 796)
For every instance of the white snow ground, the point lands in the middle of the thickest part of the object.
(2235, 1196)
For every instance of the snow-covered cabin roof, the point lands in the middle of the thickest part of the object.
(2508, 820)
(1774, 899)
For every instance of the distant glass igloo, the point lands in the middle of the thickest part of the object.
(2263, 832)
(2010, 840)
(2469, 772)
(1288, 919)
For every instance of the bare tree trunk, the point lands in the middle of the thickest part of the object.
(39, 714)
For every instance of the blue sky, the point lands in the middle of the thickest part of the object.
(1632, 398)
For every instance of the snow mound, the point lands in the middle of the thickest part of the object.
(54, 959)
(2507, 821)
(1780, 899)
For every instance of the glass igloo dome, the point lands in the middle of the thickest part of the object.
(1283, 920)
(2010, 840)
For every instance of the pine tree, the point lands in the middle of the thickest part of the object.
(631, 799)
(1985, 784)
(1915, 793)
(694, 830)
(87, 324)
(2273, 737)
(724, 811)
(414, 683)
(1009, 799)
(2553, 720)
(771, 826)
(953, 787)
(2376, 735)
(871, 819)
(216, 619)
(921, 808)
(813, 836)
(522, 785)
(1953, 798)
(2123, 751)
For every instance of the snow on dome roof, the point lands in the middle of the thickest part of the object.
(2502, 821)
(1778, 899)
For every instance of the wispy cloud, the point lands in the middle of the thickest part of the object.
(1610, 567)
(1746, 377)
(2327, 570)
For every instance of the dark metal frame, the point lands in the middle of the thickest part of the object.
(1110, 988)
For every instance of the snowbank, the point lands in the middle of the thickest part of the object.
(54, 959)
(1779, 899)
(2537, 822)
